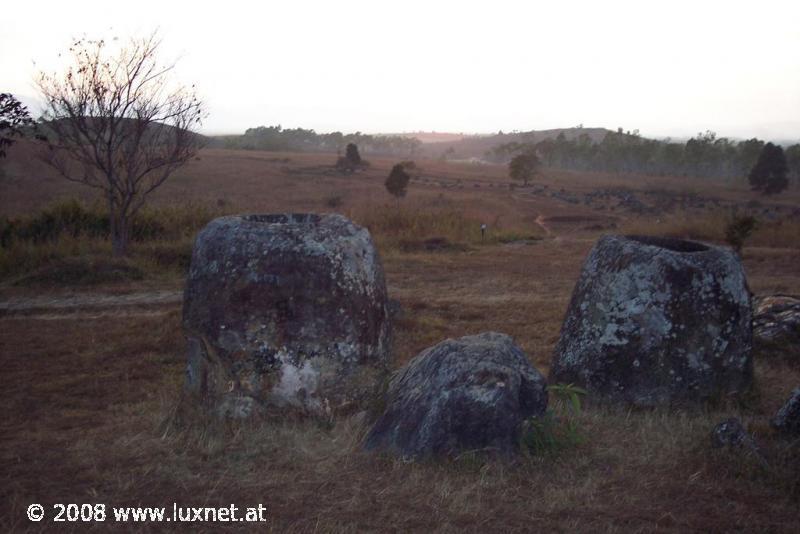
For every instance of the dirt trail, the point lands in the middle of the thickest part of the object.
(540, 221)
(90, 305)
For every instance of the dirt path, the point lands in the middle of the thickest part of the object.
(540, 221)
(90, 305)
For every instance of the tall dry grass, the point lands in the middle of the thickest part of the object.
(782, 233)
(68, 242)
(399, 228)
(51, 245)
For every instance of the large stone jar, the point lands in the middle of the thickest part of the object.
(657, 321)
(284, 313)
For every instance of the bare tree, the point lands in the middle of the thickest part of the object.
(115, 121)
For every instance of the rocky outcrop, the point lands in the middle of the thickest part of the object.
(657, 321)
(470, 393)
(776, 326)
(787, 420)
(284, 313)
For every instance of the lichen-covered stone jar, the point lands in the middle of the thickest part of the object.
(284, 313)
(657, 321)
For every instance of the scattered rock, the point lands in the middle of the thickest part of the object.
(787, 420)
(730, 433)
(284, 313)
(776, 326)
(657, 321)
(471, 393)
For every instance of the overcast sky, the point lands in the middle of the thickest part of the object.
(667, 68)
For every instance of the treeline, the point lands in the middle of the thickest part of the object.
(702, 156)
(277, 139)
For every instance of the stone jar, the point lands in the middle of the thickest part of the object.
(657, 321)
(284, 313)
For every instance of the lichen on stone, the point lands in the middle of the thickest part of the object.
(293, 306)
(656, 320)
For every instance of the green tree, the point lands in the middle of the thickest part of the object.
(793, 160)
(14, 118)
(769, 173)
(397, 182)
(524, 166)
(749, 151)
(351, 155)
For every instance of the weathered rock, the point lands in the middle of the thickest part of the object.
(657, 321)
(284, 313)
(730, 433)
(787, 420)
(776, 326)
(463, 394)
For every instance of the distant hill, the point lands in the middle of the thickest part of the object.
(154, 128)
(435, 137)
(476, 146)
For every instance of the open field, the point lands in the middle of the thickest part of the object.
(92, 373)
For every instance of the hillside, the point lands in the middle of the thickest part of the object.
(477, 146)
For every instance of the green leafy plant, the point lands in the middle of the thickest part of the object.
(557, 430)
(334, 201)
(738, 229)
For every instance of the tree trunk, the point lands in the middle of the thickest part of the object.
(120, 232)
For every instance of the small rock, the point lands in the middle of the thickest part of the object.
(787, 420)
(776, 326)
(729, 433)
(471, 393)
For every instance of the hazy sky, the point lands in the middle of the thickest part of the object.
(666, 68)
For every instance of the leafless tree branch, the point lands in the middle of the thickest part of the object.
(117, 123)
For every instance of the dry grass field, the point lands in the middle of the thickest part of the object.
(92, 373)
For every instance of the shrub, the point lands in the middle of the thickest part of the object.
(334, 201)
(82, 270)
(397, 181)
(72, 218)
(66, 239)
(738, 229)
(553, 433)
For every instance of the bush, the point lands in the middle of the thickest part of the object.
(82, 270)
(397, 181)
(72, 218)
(551, 433)
(66, 240)
(333, 201)
(738, 229)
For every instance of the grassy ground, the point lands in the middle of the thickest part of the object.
(88, 392)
